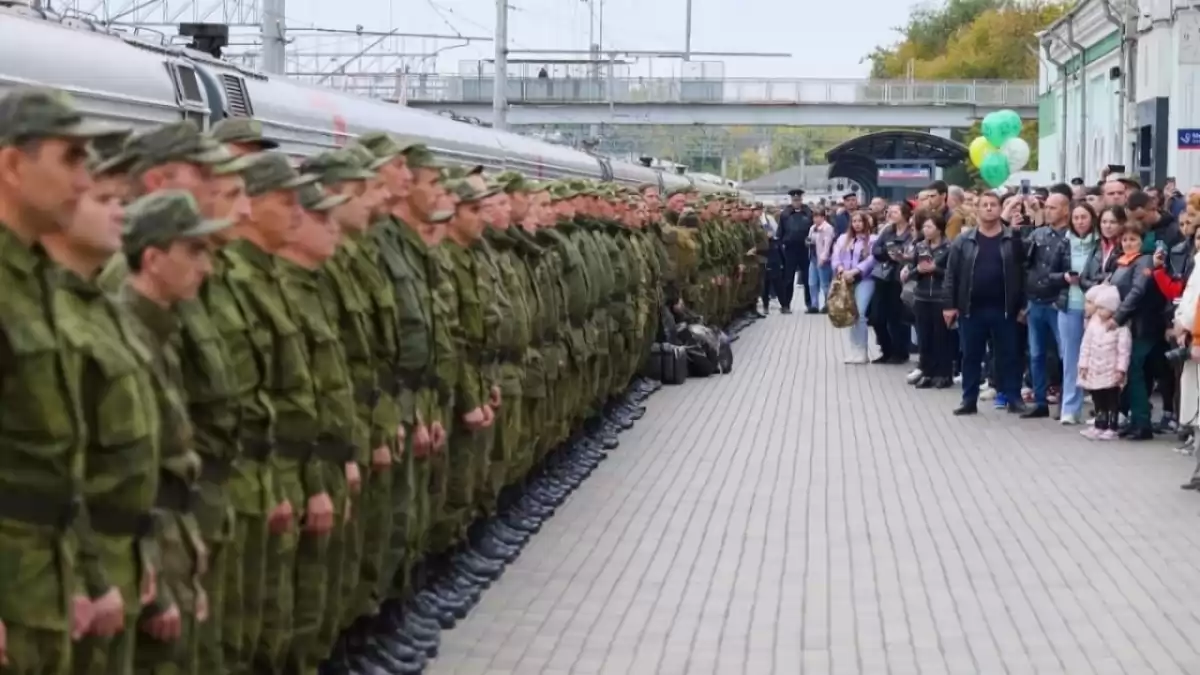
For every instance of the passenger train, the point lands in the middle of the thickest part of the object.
(138, 82)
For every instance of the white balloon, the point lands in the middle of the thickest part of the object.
(1016, 151)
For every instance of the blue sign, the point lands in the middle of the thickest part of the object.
(1189, 139)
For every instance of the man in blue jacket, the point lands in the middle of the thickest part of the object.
(795, 220)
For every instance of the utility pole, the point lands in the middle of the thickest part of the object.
(274, 38)
(500, 80)
(687, 36)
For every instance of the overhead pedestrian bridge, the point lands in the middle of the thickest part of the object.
(710, 101)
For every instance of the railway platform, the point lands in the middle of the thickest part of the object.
(804, 516)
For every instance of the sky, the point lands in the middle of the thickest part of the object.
(825, 37)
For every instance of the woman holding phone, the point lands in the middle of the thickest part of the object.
(935, 347)
(1081, 240)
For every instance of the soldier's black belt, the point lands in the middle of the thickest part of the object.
(368, 395)
(216, 470)
(33, 508)
(330, 450)
(256, 449)
(119, 522)
(500, 355)
(174, 494)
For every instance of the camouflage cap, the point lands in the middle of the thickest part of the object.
(271, 171)
(29, 113)
(236, 165)
(106, 155)
(513, 181)
(242, 130)
(420, 157)
(336, 166)
(314, 198)
(367, 159)
(468, 192)
(384, 145)
(160, 218)
(178, 142)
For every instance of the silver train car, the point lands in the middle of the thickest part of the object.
(139, 82)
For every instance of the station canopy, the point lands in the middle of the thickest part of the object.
(858, 158)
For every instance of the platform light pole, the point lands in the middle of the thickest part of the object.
(687, 35)
(500, 80)
(274, 38)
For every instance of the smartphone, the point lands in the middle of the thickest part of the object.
(1116, 168)
(1025, 186)
(1160, 247)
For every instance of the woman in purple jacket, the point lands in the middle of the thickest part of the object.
(853, 261)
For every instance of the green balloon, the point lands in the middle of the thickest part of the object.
(994, 170)
(1000, 126)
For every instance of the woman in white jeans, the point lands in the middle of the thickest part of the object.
(852, 260)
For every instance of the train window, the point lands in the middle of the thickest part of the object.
(189, 86)
(237, 96)
(198, 118)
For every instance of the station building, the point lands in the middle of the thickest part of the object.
(1118, 85)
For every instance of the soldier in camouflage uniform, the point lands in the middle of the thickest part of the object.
(311, 292)
(117, 400)
(303, 514)
(166, 244)
(44, 599)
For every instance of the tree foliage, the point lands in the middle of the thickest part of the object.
(968, 40)
(748, 166)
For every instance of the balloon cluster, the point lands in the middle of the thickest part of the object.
(1000, 151)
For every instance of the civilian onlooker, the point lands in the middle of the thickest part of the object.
(1141, 310)
(1104, 361)
(852, 260)
(820, 267)
(984, 288)
(887, 310)
(928, 269)
(1095, 198)
(939, 201)
(1156, 226)
(841, 218)
(1045, 247)
(1081, 245)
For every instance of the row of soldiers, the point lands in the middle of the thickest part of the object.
(247, 408)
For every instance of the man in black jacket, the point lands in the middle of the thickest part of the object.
(795, 221)
(1043, 248)
(985, 291)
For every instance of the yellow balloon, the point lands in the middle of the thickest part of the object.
(980, 148)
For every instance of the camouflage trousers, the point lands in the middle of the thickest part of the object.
(122, 559)
(337, 547)
(178, 572)
(251, 493)
(294, 558)
(464, 466)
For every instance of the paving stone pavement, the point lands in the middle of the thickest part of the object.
(805, 516)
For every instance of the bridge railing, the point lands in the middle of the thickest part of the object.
(478, 89)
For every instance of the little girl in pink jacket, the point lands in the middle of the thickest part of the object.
(1104, 360)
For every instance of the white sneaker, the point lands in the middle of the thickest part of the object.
(958, 379)
(986, 393)
(1068, 419)
(855, 360)
(913, 376)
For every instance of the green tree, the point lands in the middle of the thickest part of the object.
(748, 166)
(968, 40)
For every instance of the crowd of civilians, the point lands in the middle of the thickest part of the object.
(1037, 300)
